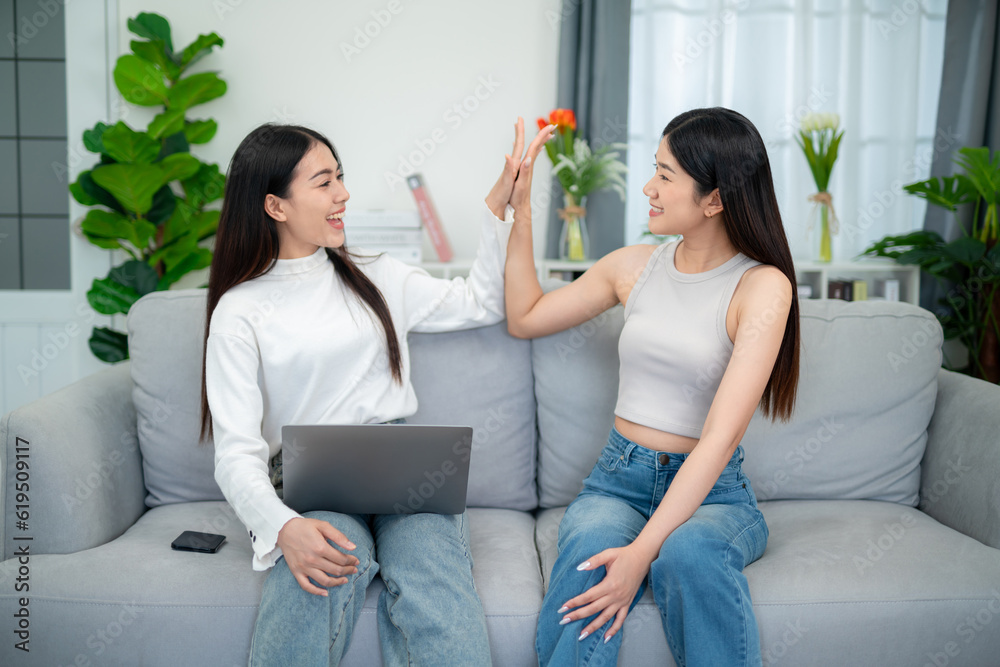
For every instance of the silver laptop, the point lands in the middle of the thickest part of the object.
(376, 468)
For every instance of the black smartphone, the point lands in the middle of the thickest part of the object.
(190, 540)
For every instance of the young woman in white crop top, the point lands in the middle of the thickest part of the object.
(711, 333)
(298, 331)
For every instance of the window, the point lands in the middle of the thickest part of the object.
(34, 200)
(875, 62)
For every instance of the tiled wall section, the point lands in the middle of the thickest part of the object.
(34, 204)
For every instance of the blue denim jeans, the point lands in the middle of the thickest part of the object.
(429, 613)
(697, 580)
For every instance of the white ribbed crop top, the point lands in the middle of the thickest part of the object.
(674, 346)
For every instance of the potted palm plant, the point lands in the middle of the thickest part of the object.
(969, 266)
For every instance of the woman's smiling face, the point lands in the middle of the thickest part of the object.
(675, 205)
(312, 215)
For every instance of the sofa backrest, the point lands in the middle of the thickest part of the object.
(867, 385)
(480, 378)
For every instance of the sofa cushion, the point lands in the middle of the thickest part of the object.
(867, 386)
(482, 378)
(165, 338)
(135, 601)
(166, 332)
(848, 582)
(576, 387)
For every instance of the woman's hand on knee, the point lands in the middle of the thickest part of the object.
(613, 595)
(310, 556)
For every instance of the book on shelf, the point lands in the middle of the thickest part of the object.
(372, 236)
(839, 289)
(394, 233)
(887, 288)
(432, 223)
(854, 289)
(382, 219)
(859, 290)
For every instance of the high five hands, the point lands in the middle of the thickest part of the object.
(514, 184)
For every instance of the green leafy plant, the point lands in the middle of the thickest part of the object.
(580, 171)
(970, 264)
(148, 192)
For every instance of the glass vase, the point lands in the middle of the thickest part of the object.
(574, 243)
(823, 245)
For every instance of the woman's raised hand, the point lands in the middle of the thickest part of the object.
(520, 196)
(304, 544)
(502, 191)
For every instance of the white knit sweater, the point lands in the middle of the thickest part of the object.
(295, 346)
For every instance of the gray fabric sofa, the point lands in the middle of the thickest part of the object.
(882, 495)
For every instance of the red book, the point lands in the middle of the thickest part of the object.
(430, 217)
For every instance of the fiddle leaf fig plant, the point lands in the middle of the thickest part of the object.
(148, 192)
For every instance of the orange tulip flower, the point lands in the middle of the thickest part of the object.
(564, 118)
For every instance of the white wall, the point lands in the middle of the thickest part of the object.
(44, 333)
(286, 63)
(379, 97)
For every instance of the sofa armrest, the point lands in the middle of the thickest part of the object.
(71, 467)
(960, 476)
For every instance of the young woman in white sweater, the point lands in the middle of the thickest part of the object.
(302, 331)
(711, 333)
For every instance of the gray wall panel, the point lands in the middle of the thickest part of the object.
(8, 96)
(42, 98)
(6, 27)
(40, 28)
(42, 189)
(46, 253)
(10, 254)
(8, 177)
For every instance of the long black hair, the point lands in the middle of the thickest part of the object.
(721, 149)
(246, 243)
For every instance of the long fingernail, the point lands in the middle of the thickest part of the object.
(563, 609)
(607, 639)
(565, 621)
(583, 566)
(351, 545)
(583, 635)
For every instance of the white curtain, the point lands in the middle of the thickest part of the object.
(875, 62)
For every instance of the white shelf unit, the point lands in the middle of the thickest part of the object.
(819, 274)
(547, 268)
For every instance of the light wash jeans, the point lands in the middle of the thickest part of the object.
(697, 580)
(429, 614)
